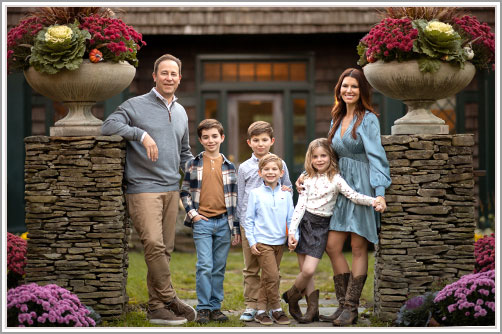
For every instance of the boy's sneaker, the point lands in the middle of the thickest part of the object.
(263, 318)
(203, 316)
(217, 315)
(182, 309)
(248, 314)
(163, 316)
(280, 317)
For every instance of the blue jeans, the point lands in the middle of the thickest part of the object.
(212, 242)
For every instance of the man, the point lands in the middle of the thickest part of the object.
(156, 128)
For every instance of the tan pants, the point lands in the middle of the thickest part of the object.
(269, 260)
(251, 273)
(154, 218)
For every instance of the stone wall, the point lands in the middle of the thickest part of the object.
(427, 232)
(75, 218)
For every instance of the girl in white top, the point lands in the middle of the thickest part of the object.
(312, 215)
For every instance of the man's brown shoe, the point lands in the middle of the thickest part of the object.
(182, 309)
(163, 316)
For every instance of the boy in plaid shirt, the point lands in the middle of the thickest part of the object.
(209, 195)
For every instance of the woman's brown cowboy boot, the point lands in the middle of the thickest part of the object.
(341, 281)
(292, 297)
(349, 313)
(312, 313)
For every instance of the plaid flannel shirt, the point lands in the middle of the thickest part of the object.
(192, 183)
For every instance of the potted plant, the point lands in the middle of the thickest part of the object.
(422, 54)
(76, 55)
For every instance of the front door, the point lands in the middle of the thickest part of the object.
(244, 109)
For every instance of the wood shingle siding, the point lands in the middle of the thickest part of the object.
(250, 20)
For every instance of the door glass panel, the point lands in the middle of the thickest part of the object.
(249, 112)
(299, 130)
(211, 108)
(244, 109)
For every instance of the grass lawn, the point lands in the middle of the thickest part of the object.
(183, 277)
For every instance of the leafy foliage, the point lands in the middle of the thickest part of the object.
(430, 35)
(96, 26)
(417, 311)
(50, 54)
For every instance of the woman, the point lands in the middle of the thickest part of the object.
(355, 137)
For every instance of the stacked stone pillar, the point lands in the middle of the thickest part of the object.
(78, 237)
(427, 231)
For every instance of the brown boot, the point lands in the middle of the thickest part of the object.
(292, 297)
(349, 313)
(312, 313)
(341, 281)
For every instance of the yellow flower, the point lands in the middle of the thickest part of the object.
(440, 26)
(58, 34)
(24, 236)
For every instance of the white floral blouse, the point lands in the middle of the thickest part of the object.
(319, 197)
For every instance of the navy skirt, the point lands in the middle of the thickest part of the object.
(313, 235)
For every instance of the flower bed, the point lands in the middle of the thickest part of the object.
(484, 252)
(470, 301)
(32, 305)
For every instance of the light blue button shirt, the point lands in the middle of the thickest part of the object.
(248, 179)
(268, 212)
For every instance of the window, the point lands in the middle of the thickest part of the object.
(246, 71)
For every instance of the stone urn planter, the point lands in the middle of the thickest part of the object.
(404, 81)
(79, 90)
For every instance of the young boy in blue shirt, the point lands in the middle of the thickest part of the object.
(209, 195)
(269, 212)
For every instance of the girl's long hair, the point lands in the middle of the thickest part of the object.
(326, 145)
(339, 109)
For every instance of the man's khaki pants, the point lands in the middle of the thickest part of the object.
(269, 260)
(251, 273)
(154, 218)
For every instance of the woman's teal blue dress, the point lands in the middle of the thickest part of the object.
(363, 164)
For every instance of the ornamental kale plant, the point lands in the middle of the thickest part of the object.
(43, 39)
(470, 301)
(31, 305)
(417, 311)
(58, 47)
(429, 35)
(484, 252)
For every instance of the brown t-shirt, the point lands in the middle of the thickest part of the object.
(212, 198)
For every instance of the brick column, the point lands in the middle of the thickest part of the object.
(427, 233)
(75, 218)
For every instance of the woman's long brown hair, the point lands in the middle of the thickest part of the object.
(340, 109)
